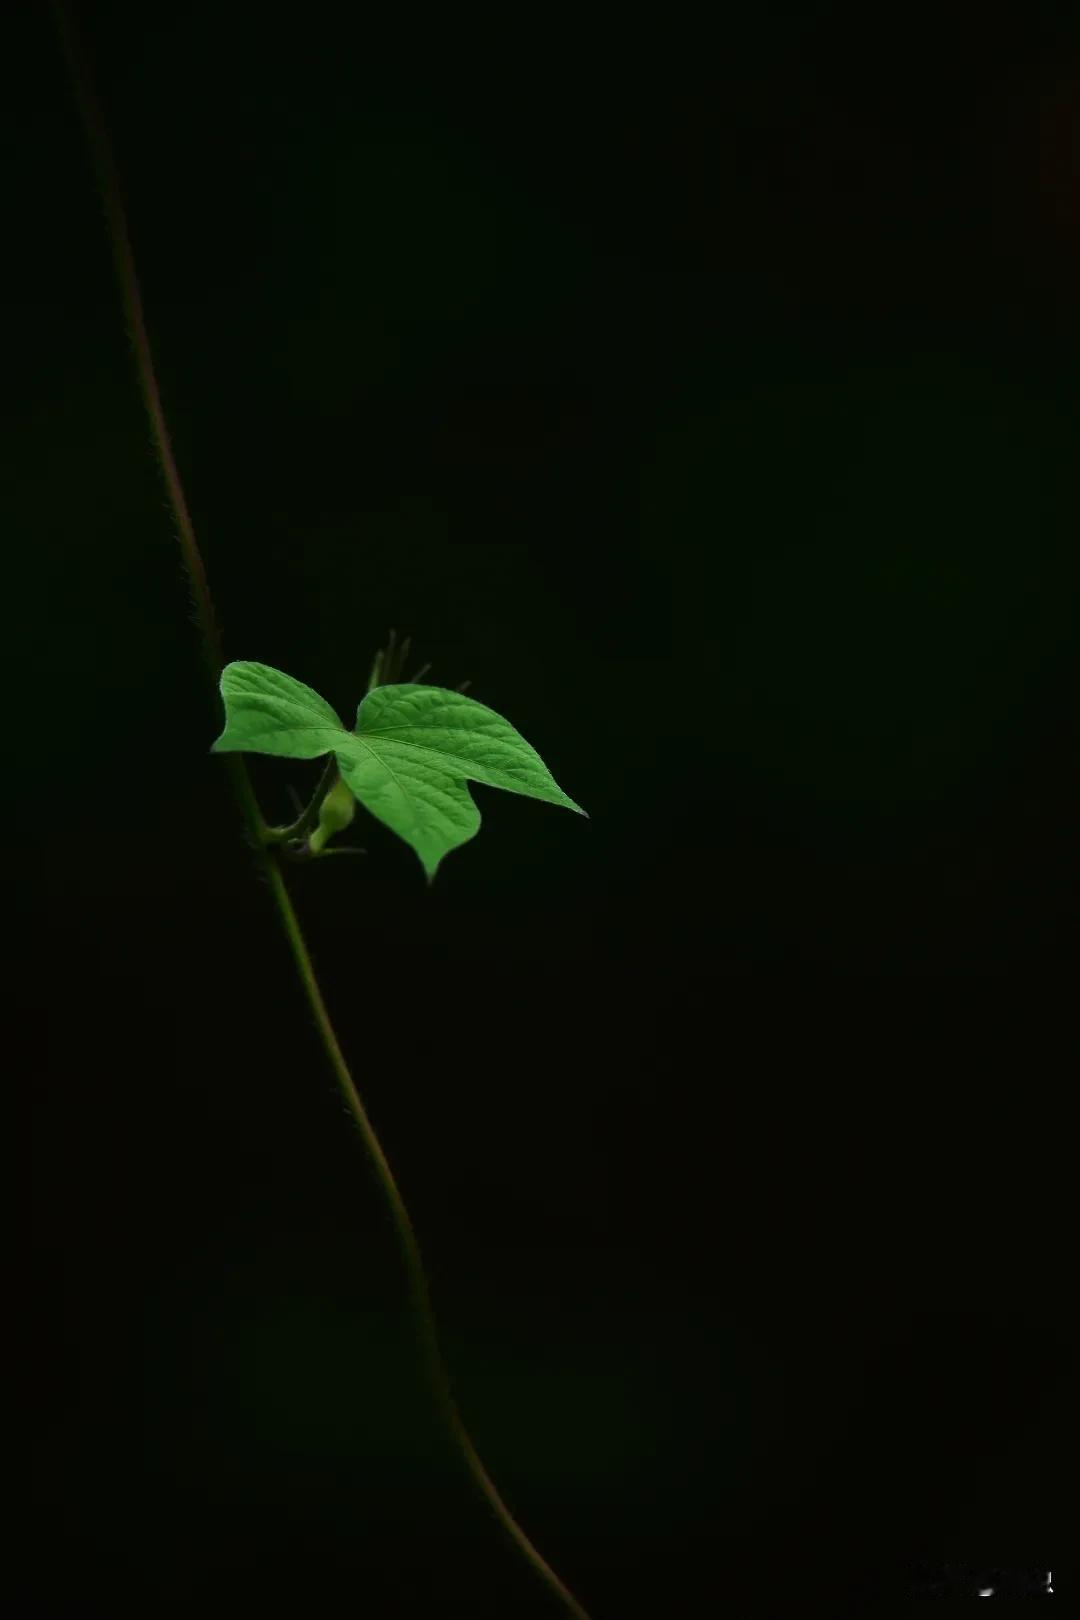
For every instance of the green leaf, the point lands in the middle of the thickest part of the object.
(408, 759)
(413, 750)
(267, 712)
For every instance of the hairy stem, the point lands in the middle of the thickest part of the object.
(256, 827)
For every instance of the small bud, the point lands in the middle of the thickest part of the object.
(335, 814)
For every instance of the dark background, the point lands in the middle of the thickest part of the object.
(710, 401)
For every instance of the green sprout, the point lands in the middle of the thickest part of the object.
(407, 760)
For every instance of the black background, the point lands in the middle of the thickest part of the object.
(708, 398)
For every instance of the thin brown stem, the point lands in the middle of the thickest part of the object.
(108, 181)
(410, 1247)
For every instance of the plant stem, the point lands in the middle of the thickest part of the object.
(309, 816)
(410, 1247)
(256, 827)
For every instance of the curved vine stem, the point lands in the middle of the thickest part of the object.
(255, 826)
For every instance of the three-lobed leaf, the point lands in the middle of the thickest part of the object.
(408, 758)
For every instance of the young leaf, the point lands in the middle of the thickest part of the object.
(408, 759)
(413, 750)
(267, 712)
